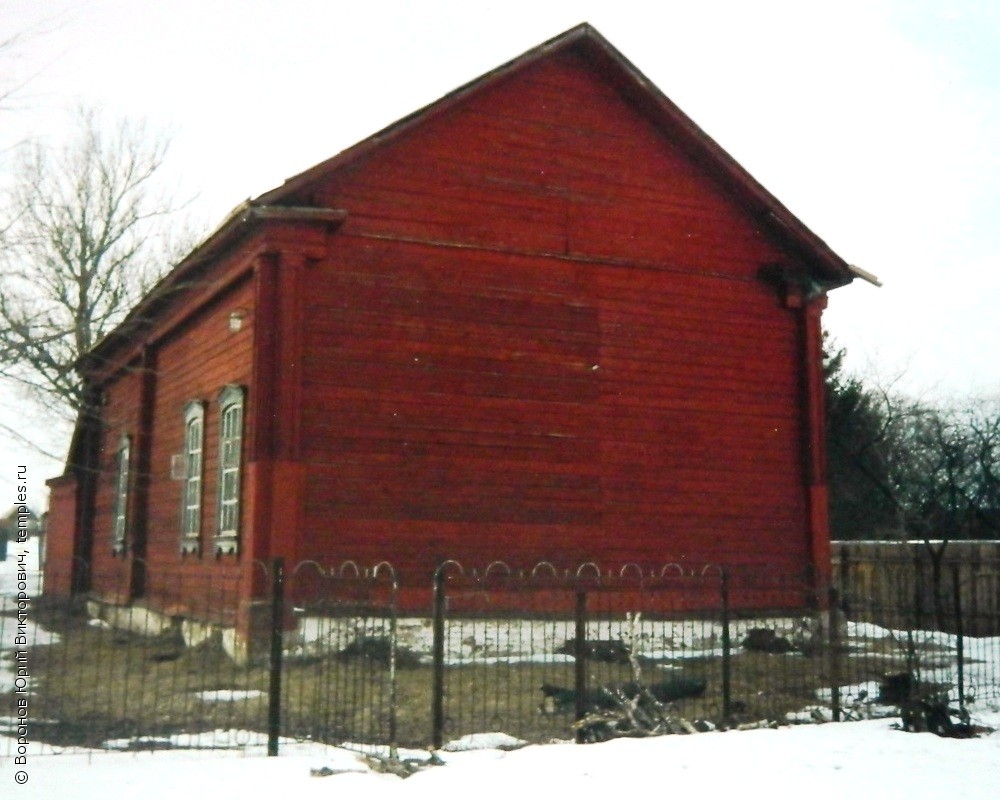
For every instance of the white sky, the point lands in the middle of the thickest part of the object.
(875, 122)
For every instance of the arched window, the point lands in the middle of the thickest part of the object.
(119, 534)
(194, 447)
(231, 401)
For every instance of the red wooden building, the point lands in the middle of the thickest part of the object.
(544, 318)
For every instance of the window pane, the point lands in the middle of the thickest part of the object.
(193, 446)
(230, 464)
(121, 497)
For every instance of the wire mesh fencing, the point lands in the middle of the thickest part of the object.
(532, 653)
(912, 623)
(195, 657)
(120, 675)
(341, 664)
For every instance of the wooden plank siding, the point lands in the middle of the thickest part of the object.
(194, 361)
(121, 417)
(541, 328)
(540, 335)
(503, 433)
(544, 319)
(550, 161)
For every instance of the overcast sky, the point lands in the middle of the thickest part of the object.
(876, 123)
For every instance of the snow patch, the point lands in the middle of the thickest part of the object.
(484, 741)
(822, 762)
(228, 695)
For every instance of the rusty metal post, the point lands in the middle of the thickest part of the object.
(437, 691)
(960, 635)
(277, 629)
(580, 665)
(727, 654)
(834, 640)
(845, 578)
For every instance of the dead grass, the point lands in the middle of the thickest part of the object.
(100, 684)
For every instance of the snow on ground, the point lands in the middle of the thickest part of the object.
(836, 760)
(485, 741)
(18, 553)
(833, 760)
(532, 641)
(937, 660)
(25, 554)
(246, 742)
(228, 695)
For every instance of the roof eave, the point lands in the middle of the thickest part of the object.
(239, 222)
(865, 275)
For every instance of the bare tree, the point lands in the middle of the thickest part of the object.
(868, 454)
(983, 426)
(84, 234)
(14, 45)
(905, 469)
(9, 86)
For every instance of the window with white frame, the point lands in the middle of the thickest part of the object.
(231, 402)
(194, 447)
(119, 536)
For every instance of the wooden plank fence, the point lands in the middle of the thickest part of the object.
(917, 584)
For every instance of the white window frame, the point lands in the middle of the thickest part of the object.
(194, 471)
(120, 520)
(231, 415)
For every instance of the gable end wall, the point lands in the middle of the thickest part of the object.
(541, 335)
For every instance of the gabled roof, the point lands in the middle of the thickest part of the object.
(830, 269)
(240, 221)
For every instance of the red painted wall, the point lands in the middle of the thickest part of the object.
(191, 356)
(59, 536)
(194, 363)
(540, 335)
(120, 417)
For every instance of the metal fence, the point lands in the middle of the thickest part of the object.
(349, 654)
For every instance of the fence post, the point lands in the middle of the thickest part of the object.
(918, 590)
(437, 691)
(277, 626)
(845, 577)
(393, 665)
(580, 659)
(960, 635)
(834, 626)
(912, 662)
(727, 689)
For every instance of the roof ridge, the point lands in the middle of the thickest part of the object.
(638, 90)
(635, 88)
(581, 31)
